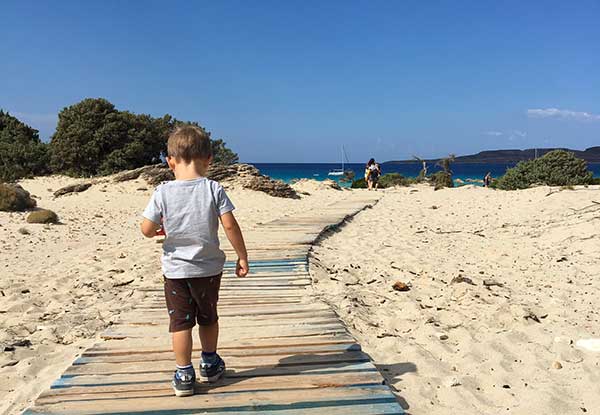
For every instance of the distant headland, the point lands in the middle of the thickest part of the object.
(591, 155)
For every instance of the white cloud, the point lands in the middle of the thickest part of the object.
(564, 114)
(510, 135)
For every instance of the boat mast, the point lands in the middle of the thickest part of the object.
(342, 158)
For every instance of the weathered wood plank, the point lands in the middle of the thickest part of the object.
(242, 402)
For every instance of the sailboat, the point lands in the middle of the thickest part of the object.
(340, 172)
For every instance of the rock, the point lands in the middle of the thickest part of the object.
(400, 286)
(531, 315)
(459, 279)
(492, 283)
(42, 216)
(241, 174)
(453, 382)
(142, 189)
(74, 188)
(271, 187)
(557, 365)
(441, 336)
(24, 231)
(19, 343)
(25, 291)
(14, 198)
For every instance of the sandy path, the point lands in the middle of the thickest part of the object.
(494, 360)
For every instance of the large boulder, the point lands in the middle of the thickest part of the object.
(14, 198)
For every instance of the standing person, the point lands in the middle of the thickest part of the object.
(487, 180)
(372, 173)
(368, 173)
(189, 209)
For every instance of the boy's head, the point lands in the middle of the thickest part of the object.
(189, 143)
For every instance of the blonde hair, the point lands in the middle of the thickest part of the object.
(188, 143)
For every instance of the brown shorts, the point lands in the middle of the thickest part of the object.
(191, 300)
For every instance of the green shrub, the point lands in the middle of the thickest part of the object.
(385, 181)
(22, 154)
(595, 180)
(15, 198)
(359, 184)
(93, 137)
(556, 168)
(441, 179)
(42, 216)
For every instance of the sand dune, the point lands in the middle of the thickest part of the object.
(460, 346)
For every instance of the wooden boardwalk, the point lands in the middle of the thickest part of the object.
(286, 352)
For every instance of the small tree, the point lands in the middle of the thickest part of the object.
(443, 178)
(423, 172)
(22, 154)
(556, 168)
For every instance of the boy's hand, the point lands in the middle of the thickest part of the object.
(242, 268)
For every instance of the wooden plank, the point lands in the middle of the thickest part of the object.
(116, 347)
(162, 385)
(92, 380)
(243, 402)
(246, 362)
(169, 356)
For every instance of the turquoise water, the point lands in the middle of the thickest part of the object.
(289, 172)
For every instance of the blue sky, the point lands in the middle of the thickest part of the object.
(291, 81)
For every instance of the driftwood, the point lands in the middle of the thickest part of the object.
(593, 205)
(73, 188)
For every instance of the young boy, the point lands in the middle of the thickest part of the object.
(189, 209)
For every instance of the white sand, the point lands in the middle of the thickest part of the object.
(60, 283)
(494, 360)
(73, 272)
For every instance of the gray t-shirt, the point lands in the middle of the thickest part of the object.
(190, 210)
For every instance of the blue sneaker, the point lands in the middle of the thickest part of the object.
(212, 371)
(183, 382)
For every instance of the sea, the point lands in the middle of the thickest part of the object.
(290, 172)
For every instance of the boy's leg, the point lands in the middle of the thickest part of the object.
(209, 337)
(181, 310)
(206, 294)
(182, 347)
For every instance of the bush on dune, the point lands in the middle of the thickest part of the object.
(556, 168)
(385, 181)
(441, 179)
(22, 154)
(93, 137)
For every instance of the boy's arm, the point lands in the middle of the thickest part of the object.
(149, 228)
(234, 234)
